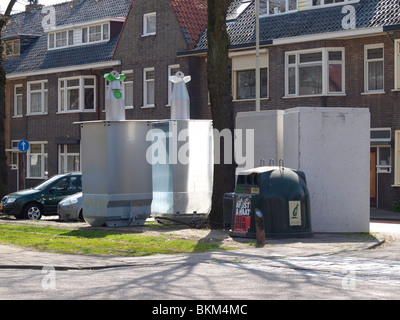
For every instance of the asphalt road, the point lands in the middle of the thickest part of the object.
(365, 274)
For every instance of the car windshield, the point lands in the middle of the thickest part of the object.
(46, 183)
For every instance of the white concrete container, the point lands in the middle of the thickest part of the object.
(331, 146)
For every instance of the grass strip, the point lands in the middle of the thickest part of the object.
(97, 242)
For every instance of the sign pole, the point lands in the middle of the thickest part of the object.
(258, 56)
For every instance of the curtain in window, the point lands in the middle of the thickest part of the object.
(310, 80)
(375, 75)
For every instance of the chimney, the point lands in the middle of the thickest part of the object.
(32, 6)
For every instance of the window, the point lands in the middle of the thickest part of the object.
(11, 48)
(37, 160)
(13, 155)
(172, 70)
(68, 158)
(148, 87)
(384, 163)
(246, 84)
(331, 2)
(244, 4)
(61, 39)
(149, 24)
(277, 6)
(76, 94)
(380, 135)
(397, 64)
(316, 72)
(244, 74)
(373, 56)
(37, 97)
(381, 139)
(73, 37)
(72, 183)
(397, 158)
(127, 87)
(18, 92)
(96, 33)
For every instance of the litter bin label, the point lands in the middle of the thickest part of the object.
(242, 214)
(295, 213)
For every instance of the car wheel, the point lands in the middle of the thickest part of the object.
(33, 212)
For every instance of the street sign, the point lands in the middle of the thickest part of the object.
(23, 145)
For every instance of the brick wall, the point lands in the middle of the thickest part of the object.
(53, 127)
(158, 51)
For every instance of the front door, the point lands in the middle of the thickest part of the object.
(373, 184)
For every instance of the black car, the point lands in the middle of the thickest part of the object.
(42, 199)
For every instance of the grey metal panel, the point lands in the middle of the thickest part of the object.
(184, 184)
(94, 156)
(117, 178)
(127, 164)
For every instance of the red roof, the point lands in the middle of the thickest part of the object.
(192, 15)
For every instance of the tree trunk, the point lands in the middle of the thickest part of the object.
(3, 156)
(219, 86)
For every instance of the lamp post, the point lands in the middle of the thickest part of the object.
(257, 3)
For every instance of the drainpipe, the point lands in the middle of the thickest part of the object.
(258, 84)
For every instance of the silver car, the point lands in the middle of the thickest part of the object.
(71, 208)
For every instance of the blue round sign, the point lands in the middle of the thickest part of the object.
(23, 145)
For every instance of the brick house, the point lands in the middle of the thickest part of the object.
(320, 53)
(55, 75)
(55, 58)
(155, 30)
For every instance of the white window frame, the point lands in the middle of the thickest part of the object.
(396, 158)
(16, 96)
(44, 162)
(397, 64)
(126, 83)
(145, 88)
(366, 67)
(91, 32)
(383, 168)
(14, 153)
(75, 37)
(267, 8)
(63, 155)
(63, 96)
(146, 17)
(43, 96)
(325, 62)
(170, 84)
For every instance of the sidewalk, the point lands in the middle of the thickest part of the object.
(318, 244)
(382, 214)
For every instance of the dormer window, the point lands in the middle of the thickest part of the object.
(271, 7)
(79, 36)
(236, 13)
(11, 48)
(95, 33)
